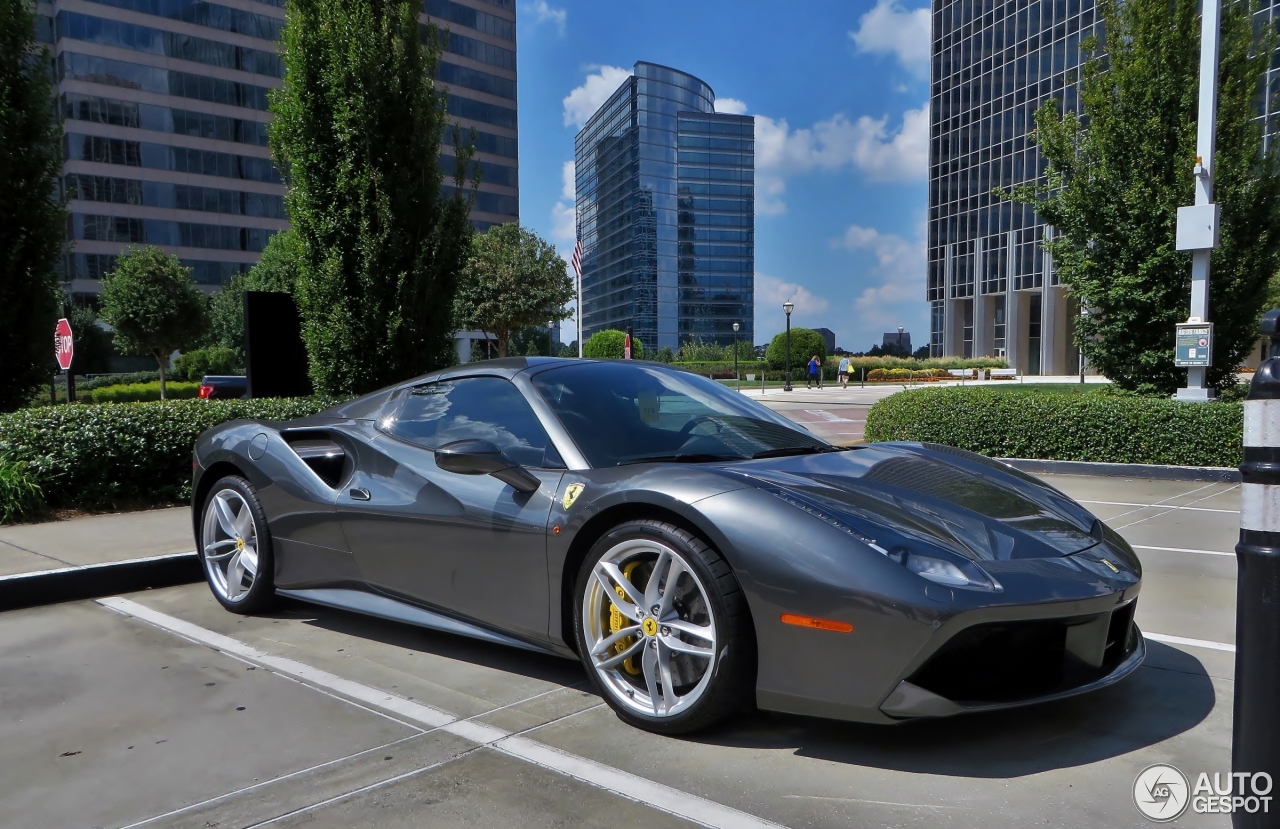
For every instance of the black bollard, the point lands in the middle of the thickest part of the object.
(1256, 734)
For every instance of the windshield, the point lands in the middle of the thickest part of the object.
(621, 413)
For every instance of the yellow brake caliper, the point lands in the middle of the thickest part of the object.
(616, 619)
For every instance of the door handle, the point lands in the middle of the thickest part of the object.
(359, 494)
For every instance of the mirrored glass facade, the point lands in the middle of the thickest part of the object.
(666, 213)
(992, 290)
(165, 112)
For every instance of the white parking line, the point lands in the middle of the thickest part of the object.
(1195, 643)
(633, 787)
(1158, 506)
(1181, 550)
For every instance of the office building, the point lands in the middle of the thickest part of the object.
(165, 111)
(666, 213)
(991, 286)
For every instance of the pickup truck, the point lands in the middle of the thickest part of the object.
(224, 387)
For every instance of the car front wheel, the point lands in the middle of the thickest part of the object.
(235, 547)
(663, 629)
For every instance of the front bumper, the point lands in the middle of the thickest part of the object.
(1009, 664)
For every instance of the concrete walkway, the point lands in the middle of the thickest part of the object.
(97, 539)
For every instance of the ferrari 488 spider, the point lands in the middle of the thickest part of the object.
(697, 552)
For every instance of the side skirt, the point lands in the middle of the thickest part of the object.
(372, 604)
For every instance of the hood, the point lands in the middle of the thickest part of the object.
(913, 494)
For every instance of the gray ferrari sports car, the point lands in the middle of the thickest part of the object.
(697, 552)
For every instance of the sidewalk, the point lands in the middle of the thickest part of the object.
(97, 539)
(857, 395)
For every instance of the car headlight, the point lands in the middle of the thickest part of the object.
(947, 571)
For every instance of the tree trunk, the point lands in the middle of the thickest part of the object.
(161, 361)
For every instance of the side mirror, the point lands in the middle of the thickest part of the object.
(480, 457)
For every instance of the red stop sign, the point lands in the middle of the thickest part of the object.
(63, 344)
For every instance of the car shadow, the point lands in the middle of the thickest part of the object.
(1170, 694)
(531, 664)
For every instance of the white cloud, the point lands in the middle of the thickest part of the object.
(896, 293)
(583, 101)
(731, 105)
(867, 145)
(564, 221)
(542, 13)
(771, 292)
(890, 29)
(568, 181)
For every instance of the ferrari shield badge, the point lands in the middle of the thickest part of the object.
(571, 493)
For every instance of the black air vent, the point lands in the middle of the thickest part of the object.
(326, 458)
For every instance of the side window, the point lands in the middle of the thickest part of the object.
(486, 408)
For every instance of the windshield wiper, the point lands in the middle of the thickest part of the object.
(693, 457)
(795, 450)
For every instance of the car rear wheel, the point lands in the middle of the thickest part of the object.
(663, 630)
(235, 547)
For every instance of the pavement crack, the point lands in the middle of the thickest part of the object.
(36, 553)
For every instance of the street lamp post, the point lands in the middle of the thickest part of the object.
(737, 380)
(900, 329)
(788, 307)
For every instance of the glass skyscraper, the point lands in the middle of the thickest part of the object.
(992, 288)
(165, 110)
(666, 213)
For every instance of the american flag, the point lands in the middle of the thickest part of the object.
(576, 259)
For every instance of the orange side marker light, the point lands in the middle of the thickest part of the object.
(815, 623)
(555, 530)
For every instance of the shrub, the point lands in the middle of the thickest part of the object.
(610, 344)
(1096, 427)
(117, 380)
(143, 392)
(214, 360)
(100, 455)
(805, 342)
(20, 495)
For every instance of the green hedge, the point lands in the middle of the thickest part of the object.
(1098, 427)
(94, 456)
(20, 495)
(144, 392)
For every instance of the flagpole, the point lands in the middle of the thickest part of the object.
(576, 261)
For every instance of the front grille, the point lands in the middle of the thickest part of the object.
(1005, 662)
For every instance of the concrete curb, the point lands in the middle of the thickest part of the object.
(93, 581)
(1224, 474)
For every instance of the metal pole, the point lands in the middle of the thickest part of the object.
(1206, 128)
(787, 384)
(1254, 747)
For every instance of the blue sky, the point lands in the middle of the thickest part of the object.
(839, 90)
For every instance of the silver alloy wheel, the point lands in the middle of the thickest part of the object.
(229, 538)
(664, 623)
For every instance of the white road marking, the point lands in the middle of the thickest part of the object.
(872, 802)
(1195, 643)
(279, 779)
(828, 416)
(1159, 506)
(1181, 550)
(633, 787)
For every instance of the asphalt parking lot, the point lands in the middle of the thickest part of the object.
(160, 709)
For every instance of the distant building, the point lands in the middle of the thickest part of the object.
(829, 337)
(666, 213)
(164, 110)
(898, 342)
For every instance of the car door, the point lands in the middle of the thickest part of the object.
(469, 544)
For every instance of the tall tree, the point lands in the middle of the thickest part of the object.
(32, 217)
(514, 280)
(153, 306)
(1118, 171)
(357, 133)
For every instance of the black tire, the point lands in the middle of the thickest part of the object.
(261, 595)
(731, 689)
